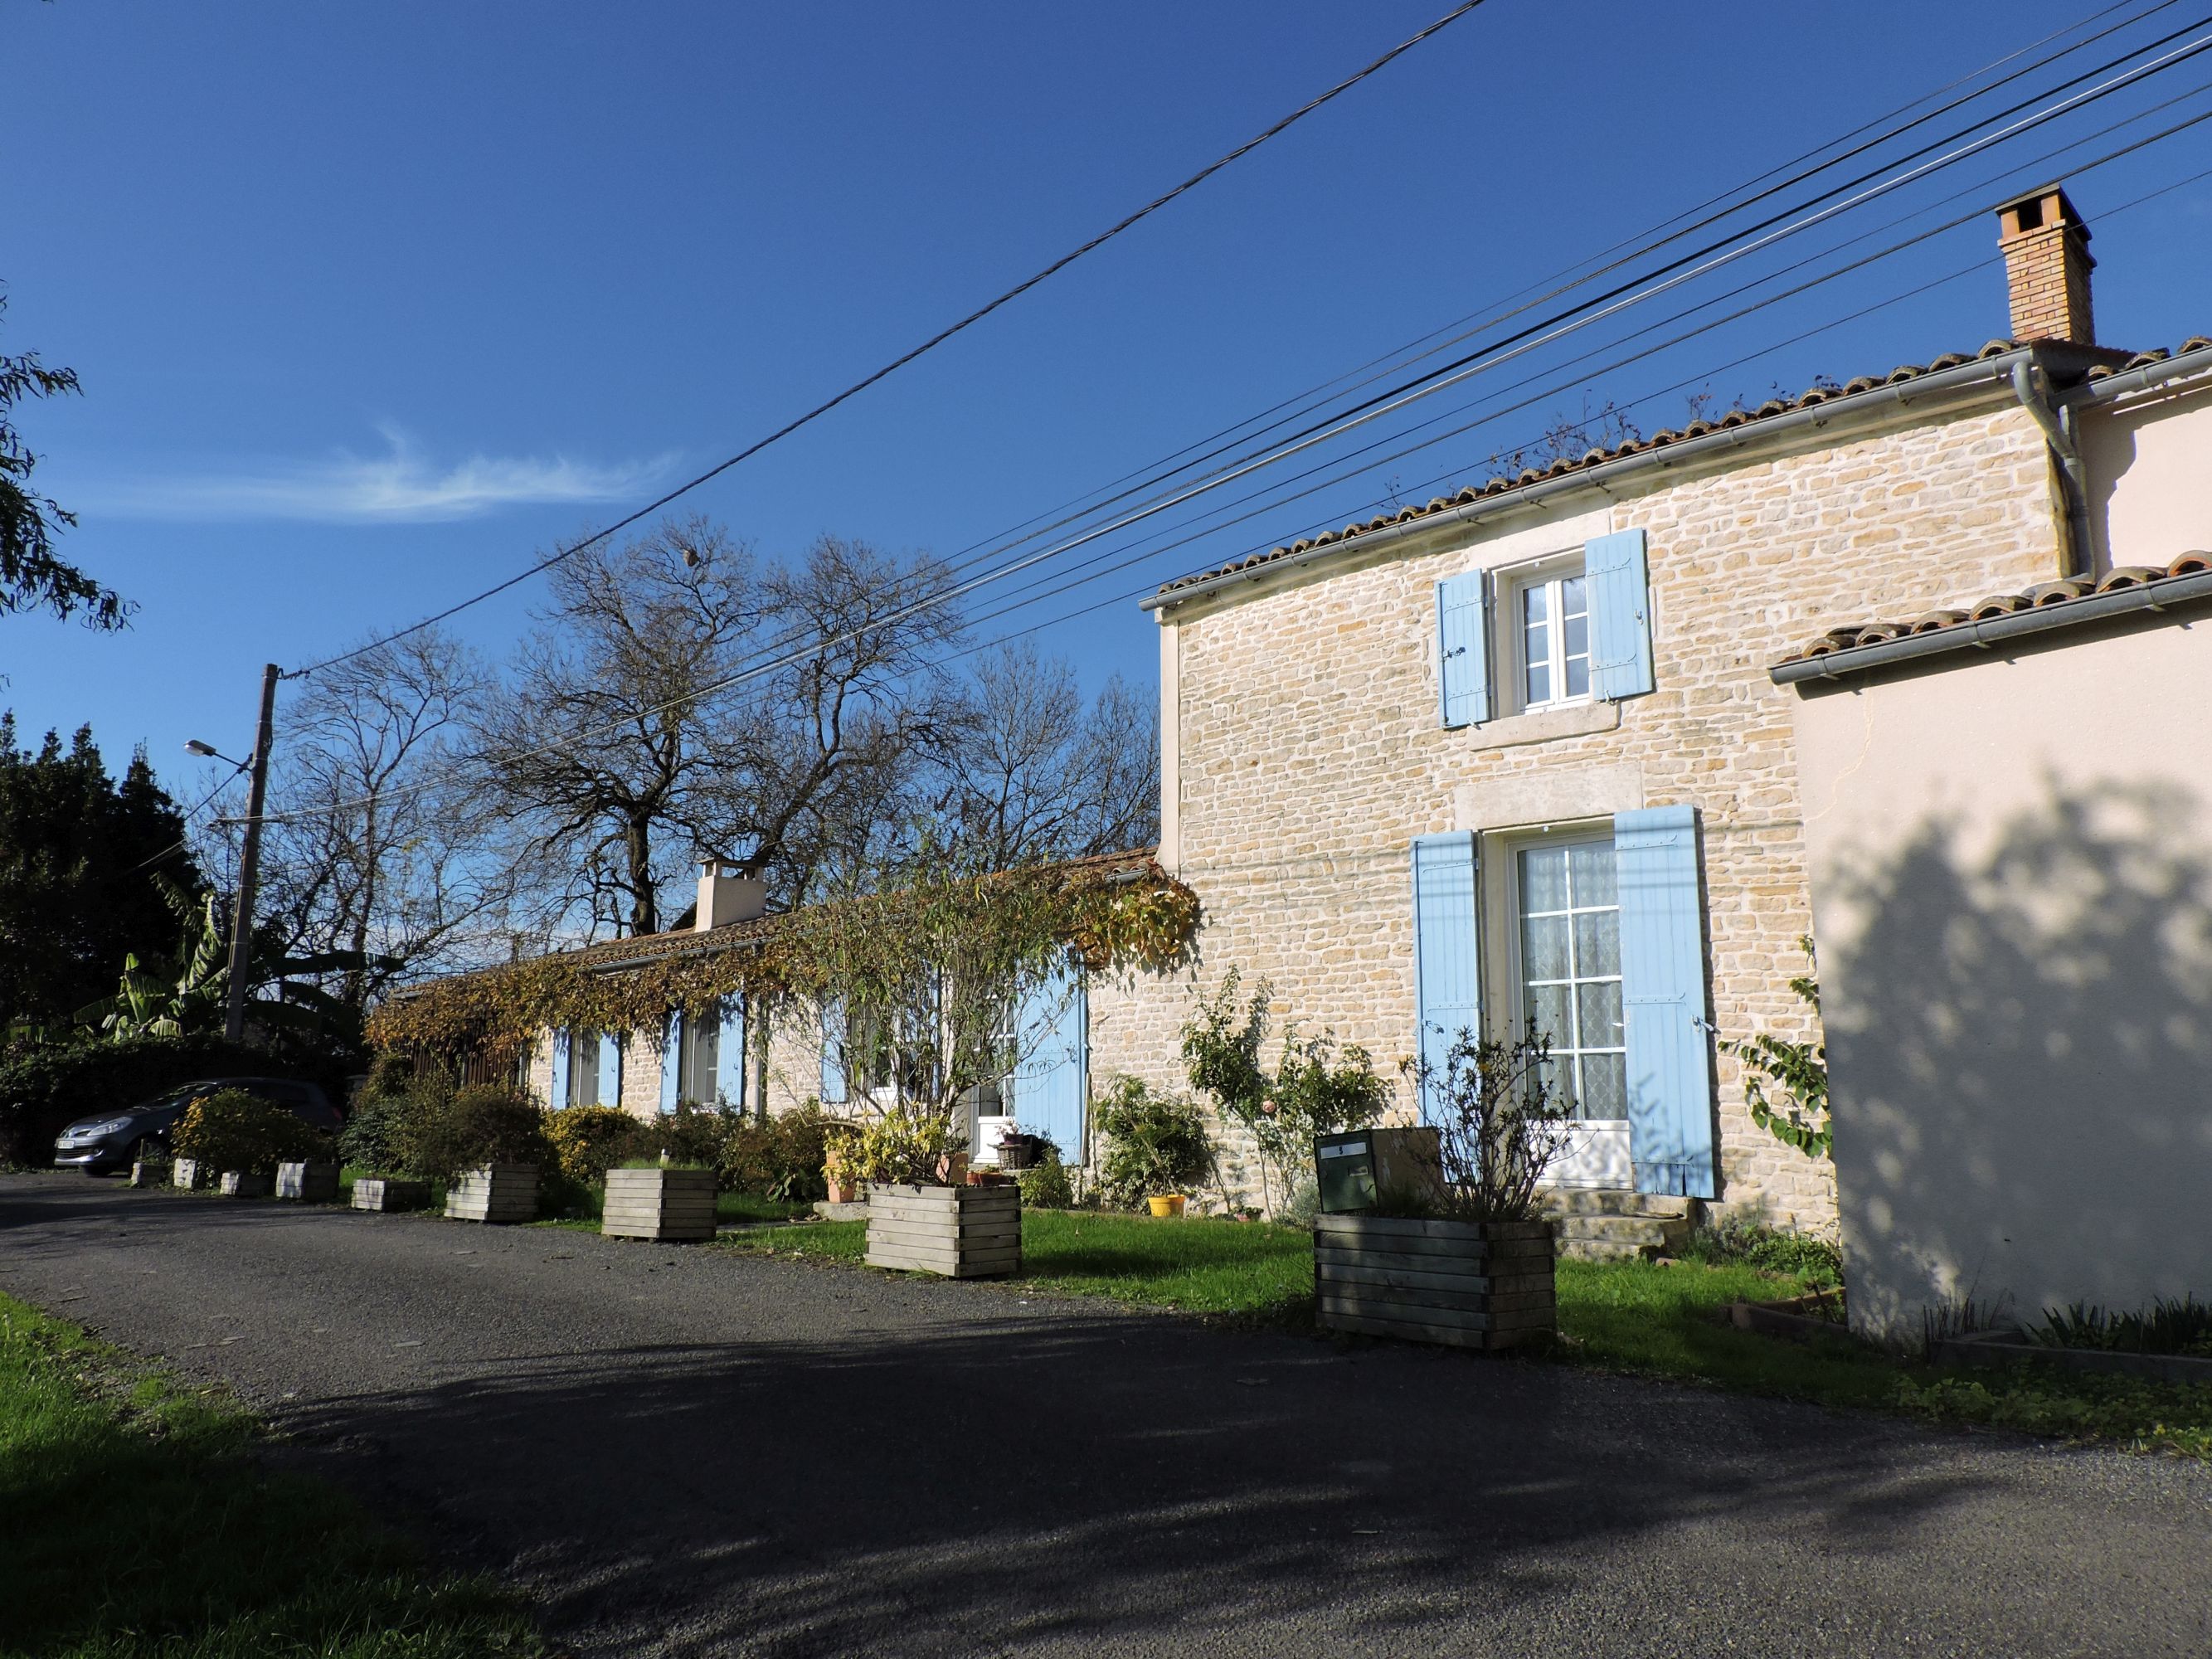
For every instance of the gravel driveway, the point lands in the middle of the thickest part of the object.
(681, 1451)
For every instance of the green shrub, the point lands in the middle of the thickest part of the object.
(693, 1134)
(1737, 1240)
(393, 1107)
(1045, 1184)
(1155, 1143)
(589, 1140)
(2177, 1325)
(231, 1129)
(780, 1158)
(43, 1090)
(486, 1123)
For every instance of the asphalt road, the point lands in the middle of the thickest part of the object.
(685, 1452)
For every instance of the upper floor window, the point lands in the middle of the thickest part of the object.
(1552, 610)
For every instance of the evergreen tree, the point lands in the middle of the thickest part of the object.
(80, 855)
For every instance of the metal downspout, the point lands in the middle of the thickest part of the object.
(2030, 387)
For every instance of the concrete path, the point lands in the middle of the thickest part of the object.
(686, 1452)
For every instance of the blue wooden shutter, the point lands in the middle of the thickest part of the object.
(557, 1089)
(730, 1053)
(1463, 648)
(833, 1052)
(610, 1059)
(1620, 615)
(671, 1059)
(1051, 1043)
(1662, 987)
(1447, 948)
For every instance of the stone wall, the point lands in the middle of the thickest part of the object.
(1310, 752)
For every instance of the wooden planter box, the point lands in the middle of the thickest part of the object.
(152, 1172)
(376, 1192)
(1472, 1285)
(187, 1173)
(962, 1233)
(498, 1192)
(311, 1184)
(237, 1183)
(670, 1206)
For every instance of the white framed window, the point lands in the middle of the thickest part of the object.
(1549, 616)
(583, 1067)
(1565, 947)
(699, 1060)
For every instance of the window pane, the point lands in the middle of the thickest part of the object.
(1578, 678)
(1593, 866)
(1597, 1008)
(1544, 879)
(1605, 1086)
(1539, 683)
(1576, 629)
(1573, 600)
(1535, 606)
(1597, 944)
(1544, 947)
(1547, 1006)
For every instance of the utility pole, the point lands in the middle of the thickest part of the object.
(249, 863)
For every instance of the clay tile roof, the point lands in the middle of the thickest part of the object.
(2042, 596)
(2156, 355)
(1812, 397)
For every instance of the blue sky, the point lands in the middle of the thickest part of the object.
(373, 305)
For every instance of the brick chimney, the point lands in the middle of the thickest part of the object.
(2047, 266)
(726, 897)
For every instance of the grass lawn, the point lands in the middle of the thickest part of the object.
(140, 1523)
(1635, 1317)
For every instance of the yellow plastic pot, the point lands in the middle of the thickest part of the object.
(1170, 1204)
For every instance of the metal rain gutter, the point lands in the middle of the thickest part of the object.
(1984, 371)
(1997, 630)
(2106, 388)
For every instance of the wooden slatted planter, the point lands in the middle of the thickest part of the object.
(962, 1233)
(671, 1206)
(311, 1184)
(240, 1183)
(1472, 1285)
(389, 1196)
(151, 1172)
(496, 1192)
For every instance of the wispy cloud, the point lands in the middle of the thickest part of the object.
(401, 485)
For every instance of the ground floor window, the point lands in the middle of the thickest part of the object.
(583, 1068)
(698, 1060)
(1567, 938)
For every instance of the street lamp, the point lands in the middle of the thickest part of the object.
(208, 752)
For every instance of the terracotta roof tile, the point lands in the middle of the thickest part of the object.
(1812, 397)
(2042, 596)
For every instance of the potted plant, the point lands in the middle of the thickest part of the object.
(239, 1138)
(836, 1172)
(922, 1214)
(1156, 1147)
(1464, 1258)
(668, 1203)
(490, 1143)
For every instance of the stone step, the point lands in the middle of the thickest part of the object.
(1594, 1200)
(1619, 1237)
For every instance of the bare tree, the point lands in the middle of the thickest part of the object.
(678, 699)
(380, 846)
(1034, 775)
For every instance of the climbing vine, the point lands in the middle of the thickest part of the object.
(885, 949)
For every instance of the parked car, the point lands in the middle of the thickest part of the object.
(113, 1140)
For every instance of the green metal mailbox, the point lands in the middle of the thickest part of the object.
(1355, 1169)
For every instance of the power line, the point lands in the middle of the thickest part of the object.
(1162, 472)
(1428, 385)
(930, 344)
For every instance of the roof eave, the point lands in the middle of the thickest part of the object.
(1981, 372)
(1996, 630)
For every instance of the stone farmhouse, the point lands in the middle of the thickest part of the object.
(1517, 755)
